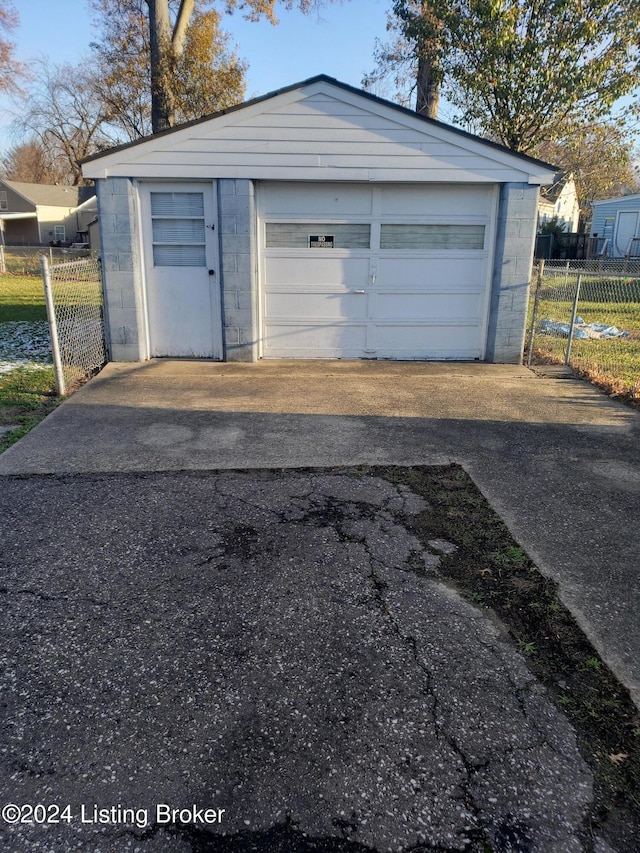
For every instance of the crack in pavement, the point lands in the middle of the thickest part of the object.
(477, 832)
(500, 833)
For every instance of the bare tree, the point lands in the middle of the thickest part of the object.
(64, 114)
(31, 163)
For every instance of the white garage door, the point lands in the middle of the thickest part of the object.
(358, 271)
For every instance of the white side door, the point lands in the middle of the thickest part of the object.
(182, 272)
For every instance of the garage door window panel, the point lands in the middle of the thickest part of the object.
(425, 237)
(298, 235)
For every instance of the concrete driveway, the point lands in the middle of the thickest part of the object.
(161, 600)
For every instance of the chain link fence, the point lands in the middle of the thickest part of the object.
(25, 260)
(75, 310)
(586, 314)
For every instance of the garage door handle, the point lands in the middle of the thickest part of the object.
(358, 291)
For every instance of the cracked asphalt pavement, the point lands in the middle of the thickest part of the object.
(276, 645)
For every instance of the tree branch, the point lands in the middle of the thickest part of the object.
(180, 29)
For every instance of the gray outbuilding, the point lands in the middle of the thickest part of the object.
(616, 221)
(318, 221)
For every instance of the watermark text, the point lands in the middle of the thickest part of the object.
(163, 814)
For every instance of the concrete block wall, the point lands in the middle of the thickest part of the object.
(515, 238)
(122, 269)
(238, 259)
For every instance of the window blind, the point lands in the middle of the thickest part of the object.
(421, 237)
(178, 229)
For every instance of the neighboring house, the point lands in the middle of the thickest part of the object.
(617, 220)
(559, 201)
(318, 221)
(39, 214)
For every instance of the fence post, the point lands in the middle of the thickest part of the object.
(3, 262)
(534, 315)
(53, 326)
(574, 313)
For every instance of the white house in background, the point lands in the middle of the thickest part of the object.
(617, 220)
(39, 214)
(560, 199)
(318, 221)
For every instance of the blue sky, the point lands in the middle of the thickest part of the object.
(338, 42)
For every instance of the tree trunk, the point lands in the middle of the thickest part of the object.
(428, 47)
(162, 111)
(427, 90)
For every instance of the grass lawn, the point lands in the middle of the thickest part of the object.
(612, 363)
(26, 395)
(21, 298)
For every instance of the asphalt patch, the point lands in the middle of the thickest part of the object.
(289, 660)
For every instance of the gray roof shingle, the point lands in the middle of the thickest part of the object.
(55, 196)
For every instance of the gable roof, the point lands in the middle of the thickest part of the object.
(49, 194)
(552, 193)
(283, 122)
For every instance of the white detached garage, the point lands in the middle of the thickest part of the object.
(316, 222)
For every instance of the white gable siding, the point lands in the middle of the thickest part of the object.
(319, 132)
